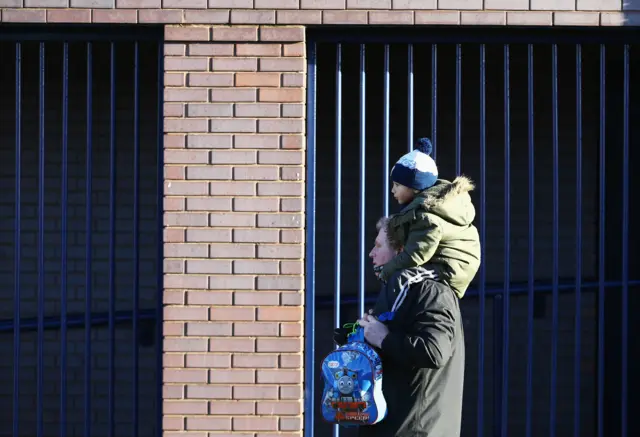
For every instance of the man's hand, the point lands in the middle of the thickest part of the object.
(374, 330)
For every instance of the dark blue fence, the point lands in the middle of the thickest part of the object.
(540, 120)
(82, 155)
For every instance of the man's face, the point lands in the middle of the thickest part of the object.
(381, 252)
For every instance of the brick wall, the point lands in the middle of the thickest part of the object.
(234, 181)
(300, 12)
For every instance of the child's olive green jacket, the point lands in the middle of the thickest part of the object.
(436, 228)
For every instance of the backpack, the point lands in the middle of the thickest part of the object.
(352, 376)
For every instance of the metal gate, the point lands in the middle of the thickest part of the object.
(81, 239)
(542, 121)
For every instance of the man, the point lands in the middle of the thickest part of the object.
(422, 351)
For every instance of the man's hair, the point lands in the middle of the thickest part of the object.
(384, 223)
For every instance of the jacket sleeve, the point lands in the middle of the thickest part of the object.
(422, 241)
(430, 342)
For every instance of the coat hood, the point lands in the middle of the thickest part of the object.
(450, 200)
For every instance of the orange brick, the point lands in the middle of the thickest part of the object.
(221, 344)
(281, 95)
(206, 329)
(208, 360)
(280, 283)
(291, 298)
(184, 375)
(290, 361)
(184, 407)
(255, 423)
(190, 33)
(172, 423)
(278, 345)
(255, 392)
(233, 314)
(296, 49)
(209, 298)
(228, 408)
(269, 376)
(299, 17)
(172, 360)
(208, 392)
(253, 298)
(186, 313)
(208, 423)
(172, 391)
(254, 329)
(185, 345)
(279, 314)
(253, 17)
(285, 408)
(172, 328)
(232, 376)
(290, 424)
(291, 329)
(258, 79)
(233, 34)
(258, 50)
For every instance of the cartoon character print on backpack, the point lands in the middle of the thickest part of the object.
(345, 397)
(353, 386)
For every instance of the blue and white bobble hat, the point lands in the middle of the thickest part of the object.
(416, 169)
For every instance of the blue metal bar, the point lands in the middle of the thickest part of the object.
(577, 358)
(625, 251)
(160, 233)
(338, 188)
(434, 99)
(410, 99)
(40, 373)
(531, 256)
(35, 33)
(507, 245)
(458, 109)
(75, 320)
(338, 199)
(601, 246)
(555, 238)
(483, 227)
(363, 160)
(494, 291)
(63, 243)
(136, 232)
(89, 242)
(17, 246)
(310, 283)
(112, 242)
(385, 128)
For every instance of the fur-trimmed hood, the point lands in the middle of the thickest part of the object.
(450, 200)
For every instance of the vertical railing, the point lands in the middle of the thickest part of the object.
(310, 298)
(88, 243)
(507, 246)
(531, 244)
(514, 86)
(41, 184)
(63, 242)
(601, 246)
(578, 289)
(482, 232)
(624, 337)
(136, 237)
(362, 192)
(53, 144)
(338, 198)
(555, 242)
(17, 266)
(112, 242)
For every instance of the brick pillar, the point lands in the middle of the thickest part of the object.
(234, 238)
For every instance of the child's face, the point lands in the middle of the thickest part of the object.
(402, 194)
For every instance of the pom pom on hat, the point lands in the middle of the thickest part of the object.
(425, 146)
(416, 169)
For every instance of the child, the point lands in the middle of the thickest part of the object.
(436, 223)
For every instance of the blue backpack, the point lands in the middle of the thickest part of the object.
(352, 376)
